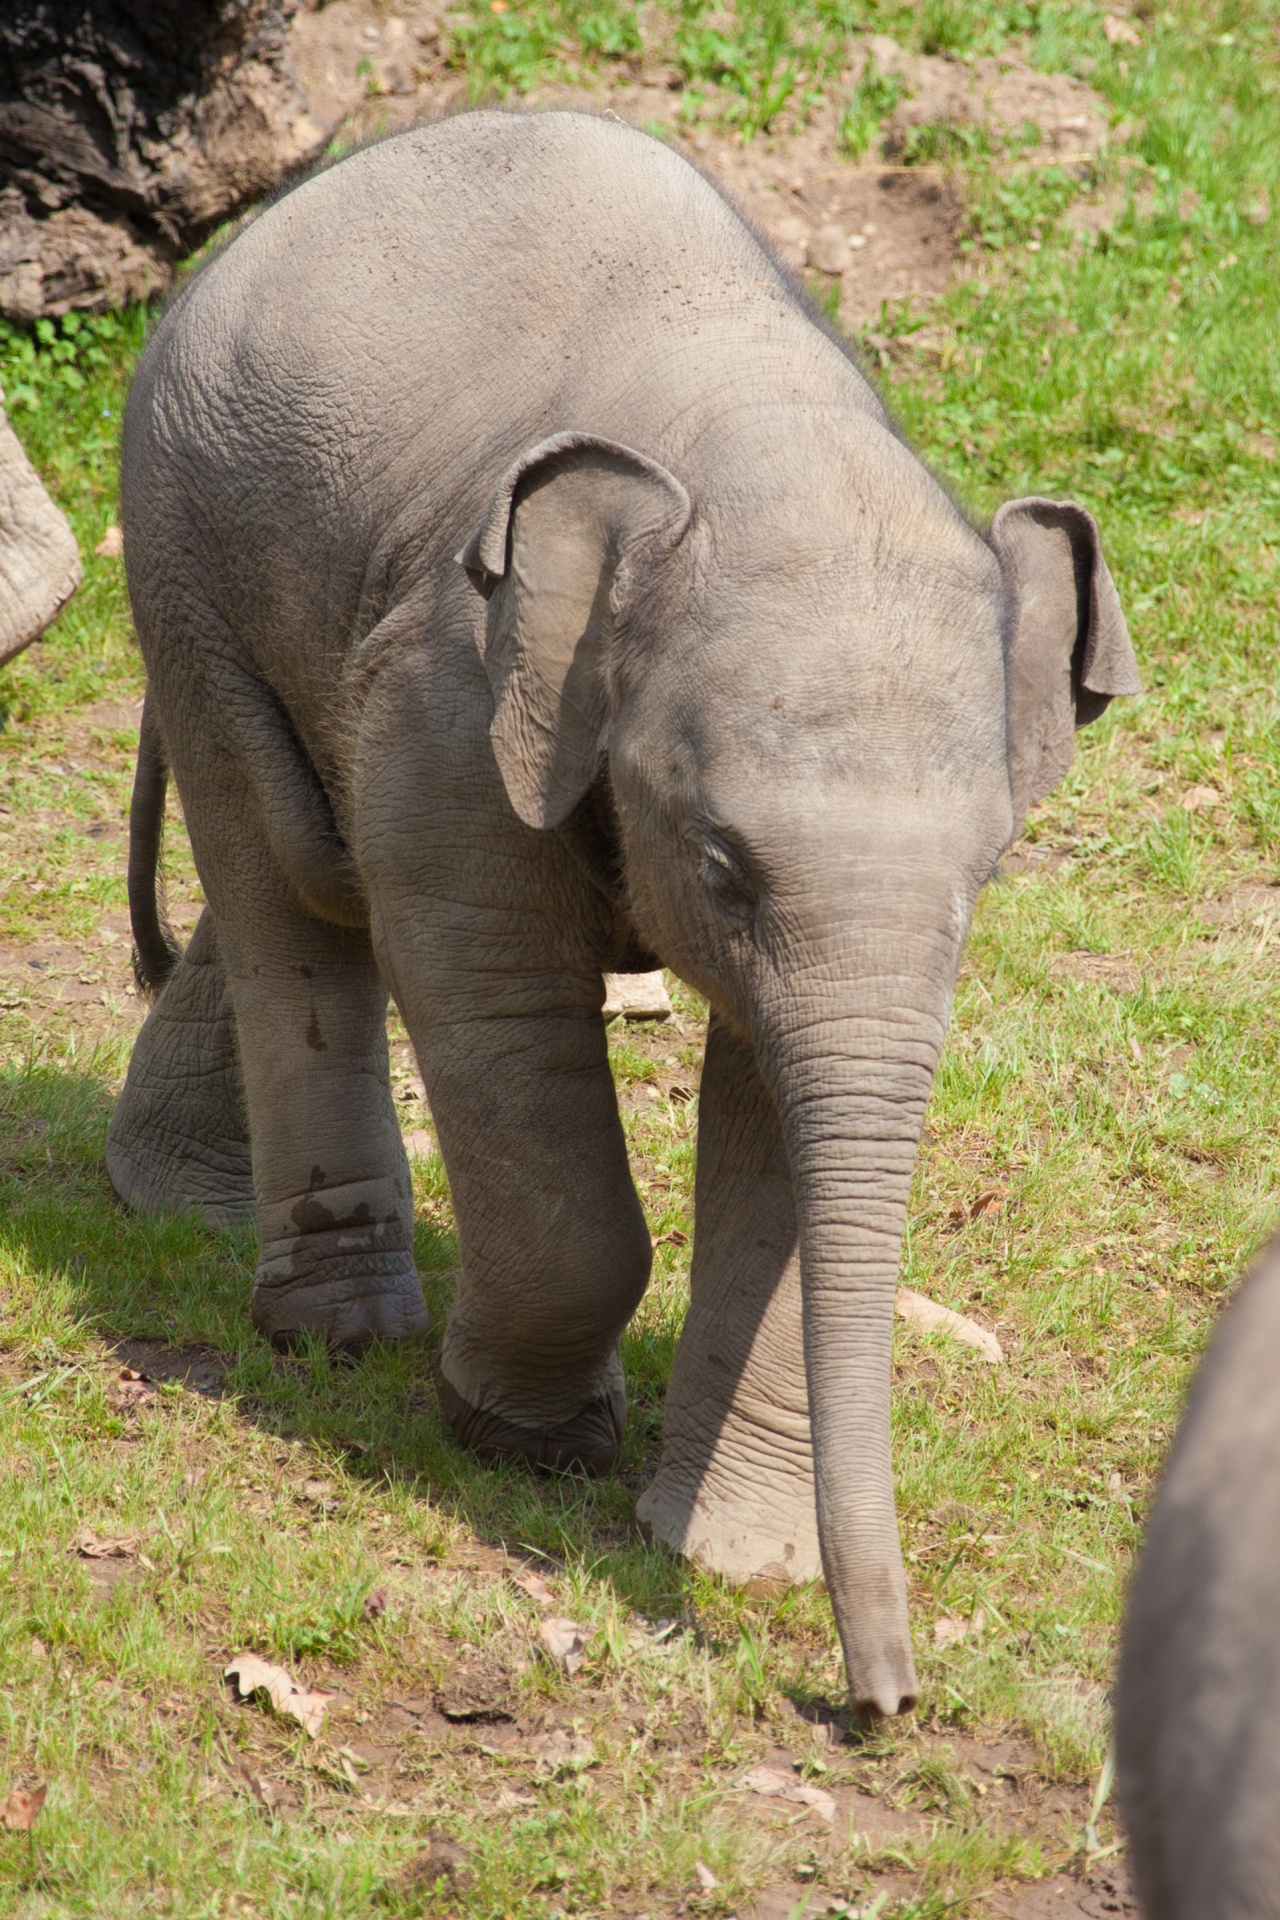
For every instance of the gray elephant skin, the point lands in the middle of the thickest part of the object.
(530, 587)
(1198, 1701)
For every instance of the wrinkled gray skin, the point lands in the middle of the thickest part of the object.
(1198, 1704)
(500, 523)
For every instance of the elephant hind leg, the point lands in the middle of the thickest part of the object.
(179, 1137)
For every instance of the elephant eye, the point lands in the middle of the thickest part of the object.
(726, 879)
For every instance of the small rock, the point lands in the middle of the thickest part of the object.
(636, 996)
(828, 250)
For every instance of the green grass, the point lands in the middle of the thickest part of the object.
(1129, 1113)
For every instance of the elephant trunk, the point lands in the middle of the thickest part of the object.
(849, 1056)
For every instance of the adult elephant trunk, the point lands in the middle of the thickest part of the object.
(848, 1051)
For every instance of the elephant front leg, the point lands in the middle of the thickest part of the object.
(179, 1136)
(734, 1489)
(335, 1204)
(555, 1250)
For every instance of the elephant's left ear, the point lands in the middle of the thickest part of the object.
(558, 559)
(1069, 649)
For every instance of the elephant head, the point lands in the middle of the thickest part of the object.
(824, 704)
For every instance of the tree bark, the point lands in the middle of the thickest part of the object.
(129, 130)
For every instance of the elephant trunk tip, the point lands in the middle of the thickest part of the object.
(885, 1690)
(884, 1704)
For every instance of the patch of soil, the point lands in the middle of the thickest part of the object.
(203, 1369)
(1028, 856)
(1250, 905)
(1105, 1891)
(1049, 116)
(1114, 970)
(476, 1692)
(49, 977)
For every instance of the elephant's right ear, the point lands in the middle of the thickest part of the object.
(556, 559)
(1069, 652)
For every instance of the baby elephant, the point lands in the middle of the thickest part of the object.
(1198, 1705)
(531, 588)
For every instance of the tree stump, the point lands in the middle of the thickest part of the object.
(129, 130)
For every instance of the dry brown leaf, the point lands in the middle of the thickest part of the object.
(20, 1809)
(565, 1641)
(252, 1675)
(375, 1604)
(535, 1586)
(706, 1879)
(90, 1547)
(1195, 799)
(929, 1317)
(111, 545)
(950, 1630)
(1121, 33)
(774, 1784)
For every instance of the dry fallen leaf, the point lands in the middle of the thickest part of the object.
(566, 1643)
(929, 1317)
(252, 1675)
(375, 1604)
(706, 1879)
(535, 1586)
(1196, 798)
(90, 1547)
(20, 1809)
(775, 1784)
(1120, 32)
(111, 545)
(950, 1630)
(989, 1200)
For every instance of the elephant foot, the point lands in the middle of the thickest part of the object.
(589, 1440)
(349, 1312)
(762, 1536)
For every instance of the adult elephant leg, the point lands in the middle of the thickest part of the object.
(179, 1136)
(734, 1488)
(335, 1205)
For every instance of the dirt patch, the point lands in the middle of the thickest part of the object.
(1047, 117)
(50, 977)
(1252, 905)
(1029, 857)
(878, 232)
(203, 1369)
(1103, 1892)
(1115, 970)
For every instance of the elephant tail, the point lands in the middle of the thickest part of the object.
(155, 951)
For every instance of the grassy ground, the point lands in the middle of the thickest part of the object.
(1110, 1085)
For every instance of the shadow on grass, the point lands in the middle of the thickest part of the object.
(72, 1258)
